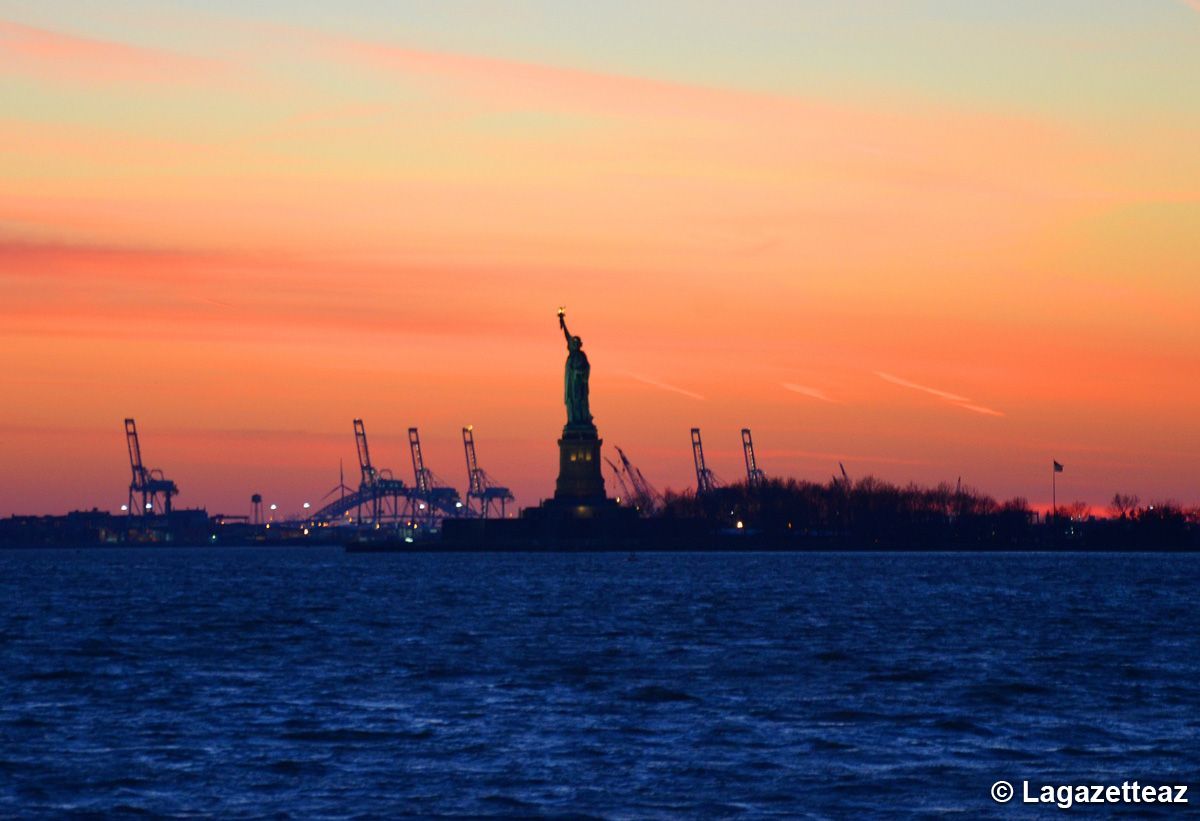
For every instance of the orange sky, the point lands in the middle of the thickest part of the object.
(247, 232)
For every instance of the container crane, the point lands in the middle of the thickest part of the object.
(154, 490)
(706, 480)
(754, 476)
(429, 495)
(379, 492)
(480, 486)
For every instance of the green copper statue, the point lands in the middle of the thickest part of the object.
(575, 383)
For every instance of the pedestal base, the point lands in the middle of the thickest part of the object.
(574, 524)
(580, 482)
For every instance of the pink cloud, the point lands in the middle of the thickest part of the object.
(67, 56)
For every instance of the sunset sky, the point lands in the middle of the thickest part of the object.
(925, 238)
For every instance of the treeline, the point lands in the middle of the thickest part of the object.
(871, 513)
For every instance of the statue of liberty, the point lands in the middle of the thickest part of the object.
(575, 380)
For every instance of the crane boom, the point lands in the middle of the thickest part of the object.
(420, 472)
(705, 482)
(626, 496)
(645, 497)
(474, 479)
(364, 453)
(135, 450)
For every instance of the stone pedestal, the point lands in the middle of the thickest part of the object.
(579, 479)
(579, 516)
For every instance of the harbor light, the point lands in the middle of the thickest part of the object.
(307, 505)
(149, 505)
(274, 507)
(421, 506)
(739, 524)
(458, 504)
(125, 507)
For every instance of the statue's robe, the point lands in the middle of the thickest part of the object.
(576, 388)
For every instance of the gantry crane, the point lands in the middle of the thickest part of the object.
(480, 486)
(379, 492)
(155, 490)
(754, 476)
(378, 489)
(706, 480)
(429, 495)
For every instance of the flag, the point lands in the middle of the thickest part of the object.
(1058, 468)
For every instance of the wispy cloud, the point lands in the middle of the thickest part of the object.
(69, 56)
(1192, 4)
(663, 385)
(804, 390)
(953, 398)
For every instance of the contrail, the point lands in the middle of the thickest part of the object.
(895, 380)
(953, 398)
(981, 409)
(815, 393)
(208, 301)
(647, 380)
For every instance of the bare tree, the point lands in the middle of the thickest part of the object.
(1123, 505)
(1078, 511)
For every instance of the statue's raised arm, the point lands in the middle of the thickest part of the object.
(562, 323)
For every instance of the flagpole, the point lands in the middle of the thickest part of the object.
(1054, 492)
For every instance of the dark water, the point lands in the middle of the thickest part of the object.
(308, 683)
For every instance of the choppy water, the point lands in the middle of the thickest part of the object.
(310, 682)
